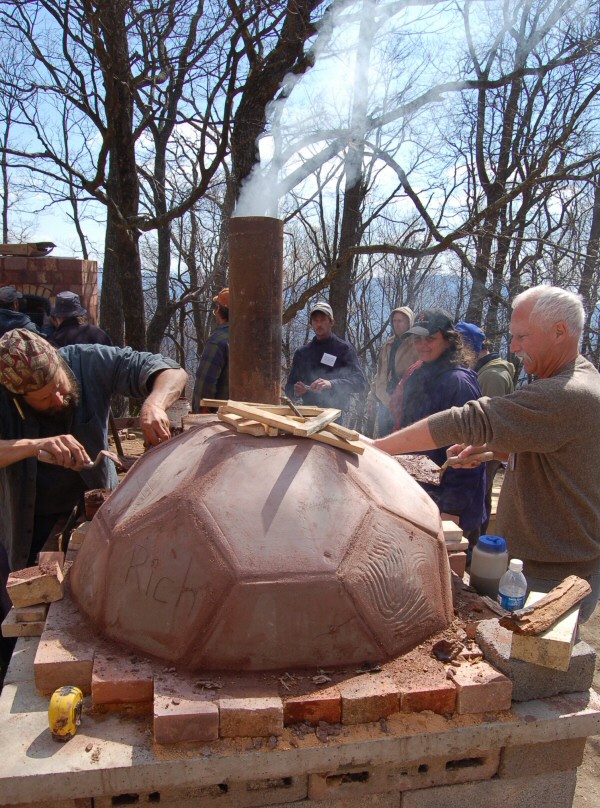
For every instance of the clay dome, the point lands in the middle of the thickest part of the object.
(223, 551)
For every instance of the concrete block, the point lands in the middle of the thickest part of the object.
(182, 713)
(458, 563)
(425, 773)
(551, 648)
(11, 627)
(255, 716)
(389, 800)
(535, 681)
(540, 791)
(370, 697)
(540, 758)
(481, 689)
(81, 802)
(21, 662)
(325, 705)
(267, 791)
(121, 679)
(264, 792)
(439, 697)
(65, 654)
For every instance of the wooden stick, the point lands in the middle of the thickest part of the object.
(291, 424)
(343, 432)
(545, 612)
(312, 425)
(262, 416)
(242, 424)
(325, 436)
(278, 409)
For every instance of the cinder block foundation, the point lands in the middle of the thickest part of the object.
(542, 791)
(535, 681)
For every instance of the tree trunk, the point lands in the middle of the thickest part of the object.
(354, 192)
(162, 314)
(108, 21)
(589, 276)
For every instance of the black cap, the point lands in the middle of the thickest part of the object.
(430, 322)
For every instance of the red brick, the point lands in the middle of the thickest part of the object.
(458, 563)
(182, 713)
(325, 705)
(121, 679)
(439, 697)
(368, 697)
(481, 689)
(256, 716)
(65, 654)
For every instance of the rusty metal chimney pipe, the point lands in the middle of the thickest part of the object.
(256, 308)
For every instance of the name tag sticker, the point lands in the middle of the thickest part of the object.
(328, 359)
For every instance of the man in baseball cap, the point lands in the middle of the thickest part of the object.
(322, 308)
(326, 372)
(10, 316)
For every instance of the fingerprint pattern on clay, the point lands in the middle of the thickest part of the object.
(392, 574)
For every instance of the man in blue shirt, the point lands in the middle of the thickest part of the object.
(212, 376)
(326, 372)
(57, 402)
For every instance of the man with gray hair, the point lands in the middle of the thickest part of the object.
(549, 432)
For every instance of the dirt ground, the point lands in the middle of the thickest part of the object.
(587, 793)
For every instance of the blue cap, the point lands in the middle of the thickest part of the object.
(472, 333)
(492, 544)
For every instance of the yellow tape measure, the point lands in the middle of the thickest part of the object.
(64, 712)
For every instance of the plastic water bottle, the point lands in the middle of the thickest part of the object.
(512, 589)
(488, 564)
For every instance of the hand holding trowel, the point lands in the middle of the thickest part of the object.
(122, 462)
(469, 461)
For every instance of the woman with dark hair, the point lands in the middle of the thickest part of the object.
(445, 379)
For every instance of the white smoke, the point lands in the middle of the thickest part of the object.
(325, 113)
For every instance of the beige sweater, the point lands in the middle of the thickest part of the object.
(549, 507)
(406, 355)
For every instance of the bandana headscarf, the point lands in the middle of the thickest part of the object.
(27, 361)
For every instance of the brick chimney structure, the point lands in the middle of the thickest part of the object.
(43, 277)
